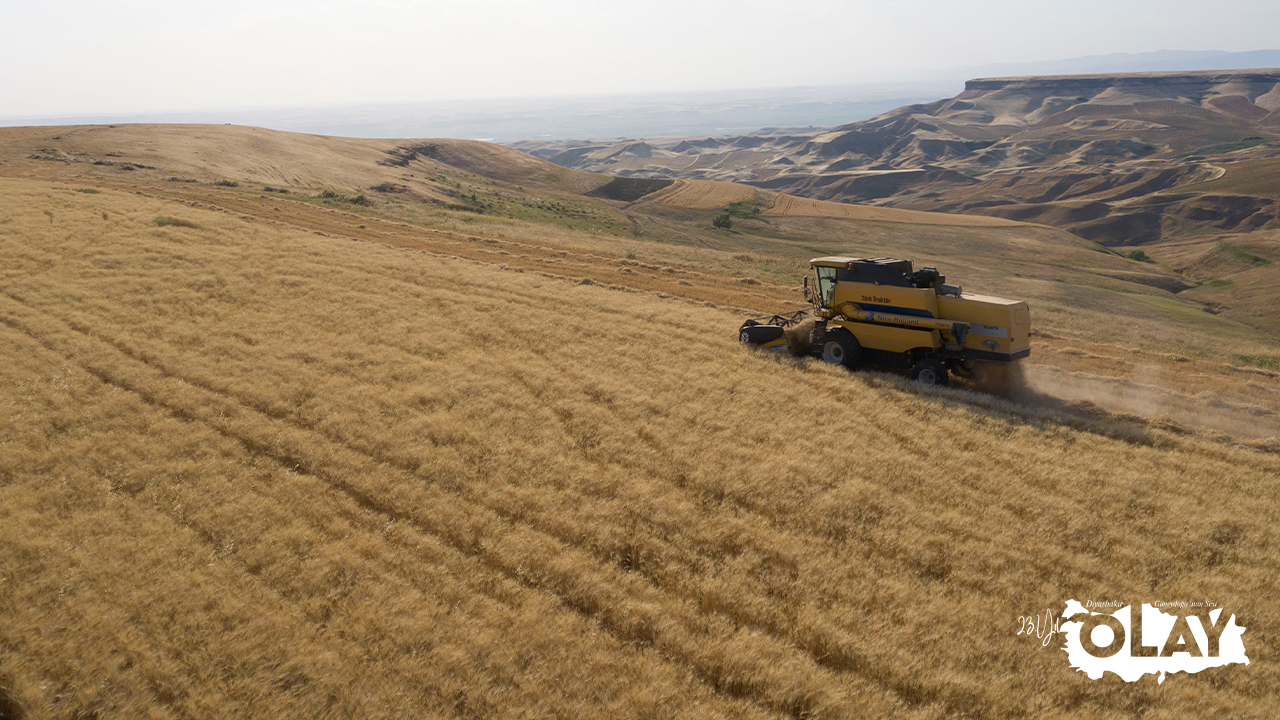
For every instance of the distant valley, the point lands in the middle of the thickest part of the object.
(1175, 167)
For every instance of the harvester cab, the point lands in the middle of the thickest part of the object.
(884, 312)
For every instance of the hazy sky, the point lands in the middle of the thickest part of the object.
(82, 56)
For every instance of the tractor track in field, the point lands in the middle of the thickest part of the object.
(911, 694)
(574, 486)
(359, 513)
(203, 534)
(475, 546)
(299, 463)
(833, 653)
(139, 647)
(819, 649)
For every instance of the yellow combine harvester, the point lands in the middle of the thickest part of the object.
(878, 310)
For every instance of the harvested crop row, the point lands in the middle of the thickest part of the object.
(335, 561)
(706, 194)
(781, 536)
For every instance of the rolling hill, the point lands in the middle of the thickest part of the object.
(450, 431)
(1177, 165)
(491, 203)
(1118, 126)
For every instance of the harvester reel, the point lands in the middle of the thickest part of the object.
(764, 330)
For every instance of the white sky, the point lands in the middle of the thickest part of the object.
(82, 56)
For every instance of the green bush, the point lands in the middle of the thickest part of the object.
(1139, 255)
(360, 199)
(1268, 363)
(176, 222)
(722, 221)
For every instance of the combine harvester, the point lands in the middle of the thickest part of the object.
(880, 311)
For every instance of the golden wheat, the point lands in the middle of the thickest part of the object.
(251, 470)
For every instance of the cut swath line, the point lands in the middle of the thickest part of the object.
(558, 577)
(822, 648)
(472, 549)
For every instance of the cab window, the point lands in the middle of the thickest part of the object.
(826, 283)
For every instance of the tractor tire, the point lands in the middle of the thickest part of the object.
(929, 372)
(841, 348)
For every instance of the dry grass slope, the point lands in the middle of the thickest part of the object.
(1118, 328)
(293, 160)
(789, 205)
(250, 469)
(715, 195)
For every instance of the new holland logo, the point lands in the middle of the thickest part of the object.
(1116, 641)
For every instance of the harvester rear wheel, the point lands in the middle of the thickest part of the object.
(929, 371)
(841, 348)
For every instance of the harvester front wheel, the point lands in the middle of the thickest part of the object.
(930, 372)
(841, 348)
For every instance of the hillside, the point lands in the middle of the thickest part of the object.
(488, 447)
(445, 195)
(1126, 122)
(1136, 162)
(452, 197)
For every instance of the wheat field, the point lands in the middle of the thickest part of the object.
(252, 470)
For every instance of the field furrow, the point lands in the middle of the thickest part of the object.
(462, 482)
(523, 506)
(365, 508)
(135, 540)
(562, 513)
(540, 562)
(820, 645)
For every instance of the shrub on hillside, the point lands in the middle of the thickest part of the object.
(178, 222)
(360, 199)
